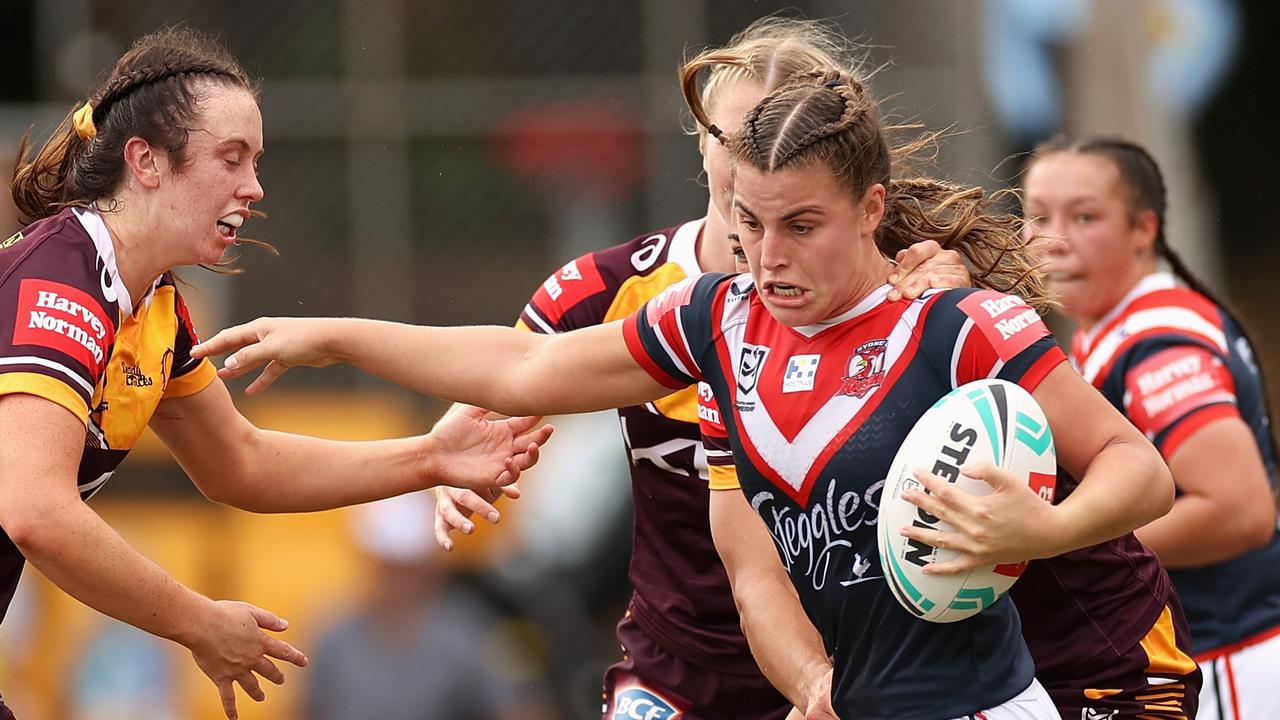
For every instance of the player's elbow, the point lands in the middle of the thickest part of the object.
(1257, 526)
(34, 527)
(1157, 489)
(230, 479)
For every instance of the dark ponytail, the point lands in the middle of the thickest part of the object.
(1139, 171)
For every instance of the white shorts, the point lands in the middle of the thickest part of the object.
(1241, 682)
(1030, 704)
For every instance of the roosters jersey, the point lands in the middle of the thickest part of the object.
(681, 592)
(70, 333)
(1173, 362)
(814, 416)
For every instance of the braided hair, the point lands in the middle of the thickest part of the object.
(827, 116)
(151, 93)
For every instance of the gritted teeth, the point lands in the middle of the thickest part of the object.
(234, 220)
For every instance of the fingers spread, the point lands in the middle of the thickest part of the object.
(266, 619)
(232, 338)
(268, 670)
(227, 692)
(249, 682)
(441, 531)
(277, 648)
(453, 517)
(477, 505)
(270, 374)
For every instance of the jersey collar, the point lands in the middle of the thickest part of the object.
(684, 247)
(113, 288)
(1148, 284)
(864, 306)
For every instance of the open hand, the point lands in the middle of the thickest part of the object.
(277, 343)
(230, 647)
(456, 506)
(471, 451)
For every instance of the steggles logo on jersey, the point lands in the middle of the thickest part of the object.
(800, 374)
(749, 364)
(808, 539)
(866, 369)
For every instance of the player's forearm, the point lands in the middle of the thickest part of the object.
(479, 365)
(1196, 533)
(283, 472)
(785, 644)
(77, 551)
(1125, 487)
(501, 368)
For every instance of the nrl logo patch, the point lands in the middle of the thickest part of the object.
(10, 241)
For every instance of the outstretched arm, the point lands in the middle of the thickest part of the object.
(508, 371)
(41, 511)
(234, 462)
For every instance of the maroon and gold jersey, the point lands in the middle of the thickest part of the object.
(681, 593)
(70, 333)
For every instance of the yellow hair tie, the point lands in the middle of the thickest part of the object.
(82, 120)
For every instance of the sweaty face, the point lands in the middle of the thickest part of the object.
(730, 104)
(205, 201)
(807, 241)
(1078, 211)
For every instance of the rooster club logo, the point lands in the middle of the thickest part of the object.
(866, 369)
(749, 364)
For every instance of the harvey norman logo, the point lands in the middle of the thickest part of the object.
(1010, 326)
(63, 318)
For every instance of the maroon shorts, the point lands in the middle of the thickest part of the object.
(652, 684)
(1154, 680)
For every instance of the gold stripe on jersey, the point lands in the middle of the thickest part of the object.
(192, 382)
(723, 477)
(634, 292)
(520, 325)
(140, 370)
(45, 387)
(1161, 646)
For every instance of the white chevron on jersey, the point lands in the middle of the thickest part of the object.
(794, 460)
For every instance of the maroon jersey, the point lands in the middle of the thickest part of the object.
(681, 593)
(70, 333)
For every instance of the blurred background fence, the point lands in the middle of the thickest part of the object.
(433, 161)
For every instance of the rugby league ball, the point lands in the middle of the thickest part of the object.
(991, 421)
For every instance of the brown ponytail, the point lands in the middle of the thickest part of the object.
(150, 93)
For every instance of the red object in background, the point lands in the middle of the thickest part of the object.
(587, 143)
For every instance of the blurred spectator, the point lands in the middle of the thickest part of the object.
(417, 648)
